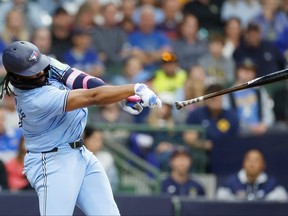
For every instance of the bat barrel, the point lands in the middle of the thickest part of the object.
(270, 78)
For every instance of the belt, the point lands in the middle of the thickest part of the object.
(76, 144)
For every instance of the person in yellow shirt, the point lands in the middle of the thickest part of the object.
(170, 76)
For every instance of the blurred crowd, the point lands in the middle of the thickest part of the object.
(182, 49)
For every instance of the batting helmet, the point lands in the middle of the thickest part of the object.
(24, 58)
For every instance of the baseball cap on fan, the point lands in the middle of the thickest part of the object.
(179, 150)
(168, 57)
(247, 63)
(24, 58)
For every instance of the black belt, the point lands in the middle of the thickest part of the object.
(77, 144)
(73, 145)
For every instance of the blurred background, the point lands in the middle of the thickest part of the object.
(224, 156)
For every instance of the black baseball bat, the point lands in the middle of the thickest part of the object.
(269, 78)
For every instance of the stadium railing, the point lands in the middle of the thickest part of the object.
(136, 175)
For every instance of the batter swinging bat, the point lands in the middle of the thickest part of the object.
(270, 78)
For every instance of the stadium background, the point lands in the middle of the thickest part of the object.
(139, 182)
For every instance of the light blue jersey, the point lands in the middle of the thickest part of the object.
(43, 118)
(57, 164)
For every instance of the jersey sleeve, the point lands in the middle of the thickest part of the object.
(72, 77)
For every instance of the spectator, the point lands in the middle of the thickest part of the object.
(14, 167)
(172, 18)
(3, 177)
(147, 43)
(15, 27)
(217, 67)
(81, 56)
(115, 2)
(232, 36)
(159, 16)
(96, 8)
(84, 18)
(109, 41)
(111, 115)
(11, 115)
(244, 10)
(2, 69)
(207, 12)
(217, 122)
(193, 87)
(163, 118)
(9, 139)
(94, 142)
(272, 21)
(42, 38)
(254, 107)
(61, 30)
(282, 44)
(164, 140)
(128, 7)
(132, 72)
(170, 77)
(141, 144)
(55, 4)
(280, 98)
(252, 183)
(189, 47)
(284, 7)
(179, 181)
(33, 15)
(265, 54)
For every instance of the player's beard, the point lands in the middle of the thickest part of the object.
(31, 83)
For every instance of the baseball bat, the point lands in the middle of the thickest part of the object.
(270, 78)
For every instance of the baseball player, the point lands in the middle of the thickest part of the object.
(51, 100)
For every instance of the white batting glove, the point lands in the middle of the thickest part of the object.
(132, 105)
(148, 97)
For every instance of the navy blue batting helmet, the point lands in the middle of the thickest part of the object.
(24, 58)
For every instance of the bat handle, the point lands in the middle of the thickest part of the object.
(179, 105)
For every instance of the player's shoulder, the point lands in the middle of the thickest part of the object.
(58, 65)
(51, 88)
(57, 69)
(54, 92)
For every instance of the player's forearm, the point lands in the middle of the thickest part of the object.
(105, 95)
(102, 95)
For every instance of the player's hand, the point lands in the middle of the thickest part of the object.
(132, 105)
(148, 97)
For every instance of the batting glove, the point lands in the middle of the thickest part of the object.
(132, 105)
(148, 97)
